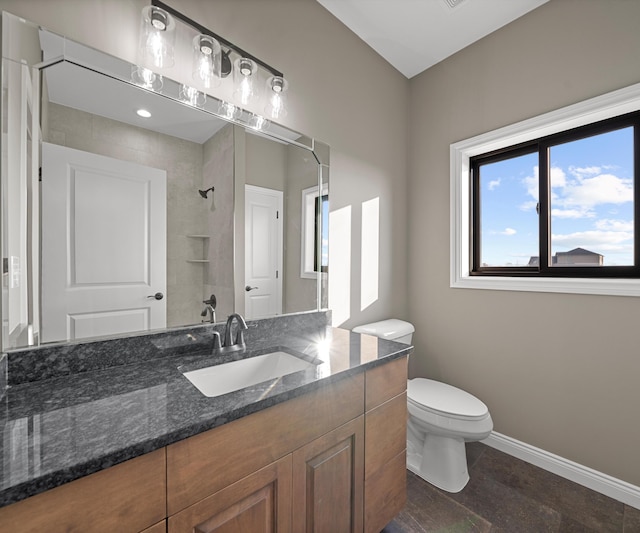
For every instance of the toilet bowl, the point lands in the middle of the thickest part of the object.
(441, 419)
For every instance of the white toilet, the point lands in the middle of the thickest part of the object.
(441, 419)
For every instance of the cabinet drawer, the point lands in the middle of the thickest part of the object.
(385, 433)
(128, 497)
(385, 381)
(204, 464)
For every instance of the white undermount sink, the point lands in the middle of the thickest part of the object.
(228, 377)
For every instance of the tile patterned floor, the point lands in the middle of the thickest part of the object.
(507, 495)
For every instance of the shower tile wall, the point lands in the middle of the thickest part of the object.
(218, 171)
(187, 212)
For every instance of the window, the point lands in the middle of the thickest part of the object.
(562, 205)
(551, 203)
(314, 234)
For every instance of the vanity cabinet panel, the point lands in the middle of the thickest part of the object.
(327, 482)
(386, 492)
(385, 485)
(128, 497)
(259, 503)
(385, 381)
(204, 464)
(386, 432)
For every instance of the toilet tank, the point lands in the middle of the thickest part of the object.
(391, 329)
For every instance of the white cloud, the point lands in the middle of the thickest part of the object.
(528, 206)
(493, 184)
(581, 172)
(601, 189)
(572, 213)
(531, 184)
(509, 231)
(576, 198)
(594, 240)
(608, 224)
(558, 177)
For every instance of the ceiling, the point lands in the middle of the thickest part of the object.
(413, 35)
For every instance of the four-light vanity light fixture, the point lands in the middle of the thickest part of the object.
(213, 60)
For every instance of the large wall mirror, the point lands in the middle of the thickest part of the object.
(115, 223)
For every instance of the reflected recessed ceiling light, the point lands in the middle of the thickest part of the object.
(143, 113)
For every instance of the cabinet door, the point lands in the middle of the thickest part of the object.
(258, 503)
(328, 479)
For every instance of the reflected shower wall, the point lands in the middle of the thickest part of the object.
(218, 171)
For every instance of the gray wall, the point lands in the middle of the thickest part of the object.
(558, 371)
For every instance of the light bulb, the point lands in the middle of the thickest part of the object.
(258, 122)
(146, 78)
(277, 88)
(244, 74)
(191, 96)
(206, 60)
(229, 111)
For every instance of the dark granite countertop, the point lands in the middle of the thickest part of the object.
(63, 427)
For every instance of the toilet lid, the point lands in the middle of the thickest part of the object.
(445, 399)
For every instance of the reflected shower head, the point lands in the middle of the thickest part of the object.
(205, 193)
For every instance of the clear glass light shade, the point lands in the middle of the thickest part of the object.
(245, 74)
(206, 61)
(276, 94)
(146, 78)
(229, 111)
(157, 38)
(192, 96)
(258, 122)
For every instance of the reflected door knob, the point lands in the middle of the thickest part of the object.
(157, 296)
(248, 288)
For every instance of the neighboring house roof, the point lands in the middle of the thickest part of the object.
(579, 251)
(534, 260)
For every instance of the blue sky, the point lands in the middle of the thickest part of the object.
(591, 201)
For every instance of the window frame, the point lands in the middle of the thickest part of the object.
(582, 114)
(541, 147)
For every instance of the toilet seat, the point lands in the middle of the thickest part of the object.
(444, 400)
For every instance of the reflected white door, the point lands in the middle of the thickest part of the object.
(263, 252)
(103, 245)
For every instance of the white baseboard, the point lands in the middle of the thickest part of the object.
(592, 479)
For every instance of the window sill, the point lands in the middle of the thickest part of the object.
(610, 287)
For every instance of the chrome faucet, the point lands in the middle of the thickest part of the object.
(209, 309)
(238, 343)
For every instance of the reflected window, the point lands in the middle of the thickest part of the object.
(315, 231)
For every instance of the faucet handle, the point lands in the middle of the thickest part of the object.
(216, 341)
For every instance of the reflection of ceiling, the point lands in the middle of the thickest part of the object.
(414, 35)
(80, 88)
